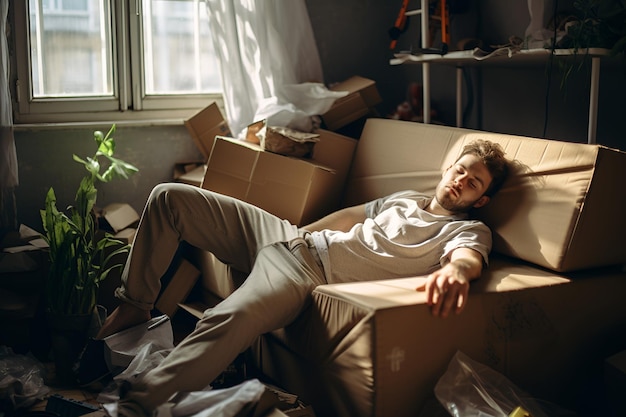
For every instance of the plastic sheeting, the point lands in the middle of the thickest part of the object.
(21, 380)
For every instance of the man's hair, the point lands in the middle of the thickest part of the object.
(492, 155)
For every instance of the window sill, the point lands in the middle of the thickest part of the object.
(97, 124)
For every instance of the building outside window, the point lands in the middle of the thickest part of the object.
(90, 60)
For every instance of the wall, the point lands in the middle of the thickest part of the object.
(352, 39)
(45, 160)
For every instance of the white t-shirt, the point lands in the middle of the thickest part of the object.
(398, 239)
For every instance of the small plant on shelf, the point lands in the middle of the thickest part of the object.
(598, 24)
(595, 24)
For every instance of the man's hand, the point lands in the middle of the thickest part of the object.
(447, 288)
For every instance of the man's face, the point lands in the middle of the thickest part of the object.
(463, 185)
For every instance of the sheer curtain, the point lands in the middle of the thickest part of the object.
(8, 156)
(269, 61)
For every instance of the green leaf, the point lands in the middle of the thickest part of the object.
(106, 145)
(118, 169)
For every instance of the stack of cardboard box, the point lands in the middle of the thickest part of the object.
(297, 189)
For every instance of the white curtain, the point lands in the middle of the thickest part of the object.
(270, 63)
(8, 157)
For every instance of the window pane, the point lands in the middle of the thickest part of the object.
(70, 47)
(178, 51)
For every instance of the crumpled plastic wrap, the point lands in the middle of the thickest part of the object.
(471, 389)
(21, 380)
(133, 352)
(226, 402)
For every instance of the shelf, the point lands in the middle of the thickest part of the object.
(507, 56)
(499, 56)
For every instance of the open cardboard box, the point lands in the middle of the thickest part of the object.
(362, 96)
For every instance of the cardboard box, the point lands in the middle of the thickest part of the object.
(190, 173)
(291, 188)
(178, 288)
(120, 220)
(335, 151)
(362, 97)
(299, 190)
(205, 125)
(383, 354)
(560, 210)
(126, 236)
(118, 216)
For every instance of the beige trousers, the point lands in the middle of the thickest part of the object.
(282, 274)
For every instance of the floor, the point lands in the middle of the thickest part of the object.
(592, 403)
(182, 324)
(72, 394)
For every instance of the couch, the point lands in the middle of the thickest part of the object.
(546, 312)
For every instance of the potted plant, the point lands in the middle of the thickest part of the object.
(78, 260)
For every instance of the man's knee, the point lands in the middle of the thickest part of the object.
(161, 191)
(170, 194)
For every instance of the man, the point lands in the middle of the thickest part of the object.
(405, 234)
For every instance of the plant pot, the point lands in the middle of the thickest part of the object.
(68, 335)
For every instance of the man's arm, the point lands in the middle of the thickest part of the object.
(448, 287)
(341, 220)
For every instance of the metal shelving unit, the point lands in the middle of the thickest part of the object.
(502, 57)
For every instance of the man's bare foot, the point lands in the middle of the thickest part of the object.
(123, 317)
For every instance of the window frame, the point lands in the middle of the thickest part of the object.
(129, 101)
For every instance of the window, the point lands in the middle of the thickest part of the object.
(93, 60)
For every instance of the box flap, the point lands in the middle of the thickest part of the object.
(361, 98)
(205, 125)
(364, 86)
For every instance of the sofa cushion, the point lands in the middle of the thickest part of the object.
(562, 209)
